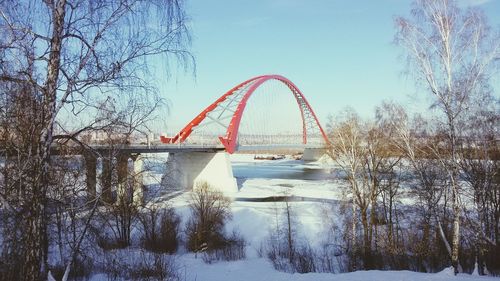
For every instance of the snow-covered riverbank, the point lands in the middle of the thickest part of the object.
(255, 220)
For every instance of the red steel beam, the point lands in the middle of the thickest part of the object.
(188, 129)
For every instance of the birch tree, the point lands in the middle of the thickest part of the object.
(363, 152)
(348, 152)
(66, 56)
(451, 53)
(416, 140)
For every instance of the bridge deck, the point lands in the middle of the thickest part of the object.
(160, 148)
(276, 147)
(176, 148)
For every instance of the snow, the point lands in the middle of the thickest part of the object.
(254, 220)
(326, 189)
(253, 269)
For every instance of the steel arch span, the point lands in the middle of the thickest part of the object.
(233, 104)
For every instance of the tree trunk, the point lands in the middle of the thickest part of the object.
(456, 234)
(353, 227)
(35, 250)
(36, 243)
(366, 239)
(291, 252)
(455, 195)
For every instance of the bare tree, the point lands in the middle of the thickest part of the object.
(70, 54)
(451, 53)
(160, 228)
(210, 210)
(479, 157)
(416, 140)
(348, 152)
(364, 153)
(19, 130)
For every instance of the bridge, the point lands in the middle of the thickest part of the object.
(194, 158)
(231, 106)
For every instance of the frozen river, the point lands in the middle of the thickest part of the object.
(279, 169)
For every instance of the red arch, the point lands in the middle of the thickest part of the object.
(230, 139)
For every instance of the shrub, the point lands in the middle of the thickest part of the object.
(156, 267)
(205, 229)
(210, 210)
(141, 266)
(302, 260)
(283, 247)
(161, 230)
(81, 269)
(233, 249)
(114, 224)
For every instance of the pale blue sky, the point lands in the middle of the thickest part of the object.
(339, 53)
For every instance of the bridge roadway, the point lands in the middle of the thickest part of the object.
(177, 148)
(158, 148)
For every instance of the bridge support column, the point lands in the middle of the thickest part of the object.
(130, 184)
(91, 174)
(123, 187)
(106, 179)
(313, 154)
(137, 181)
(186, 169)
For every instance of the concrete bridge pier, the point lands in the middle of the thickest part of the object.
(106, 178)
(90, 174)
(130, 184)
(123, 188)
(313, 154)
(125, 170)
(137, 178)
(187, 169)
